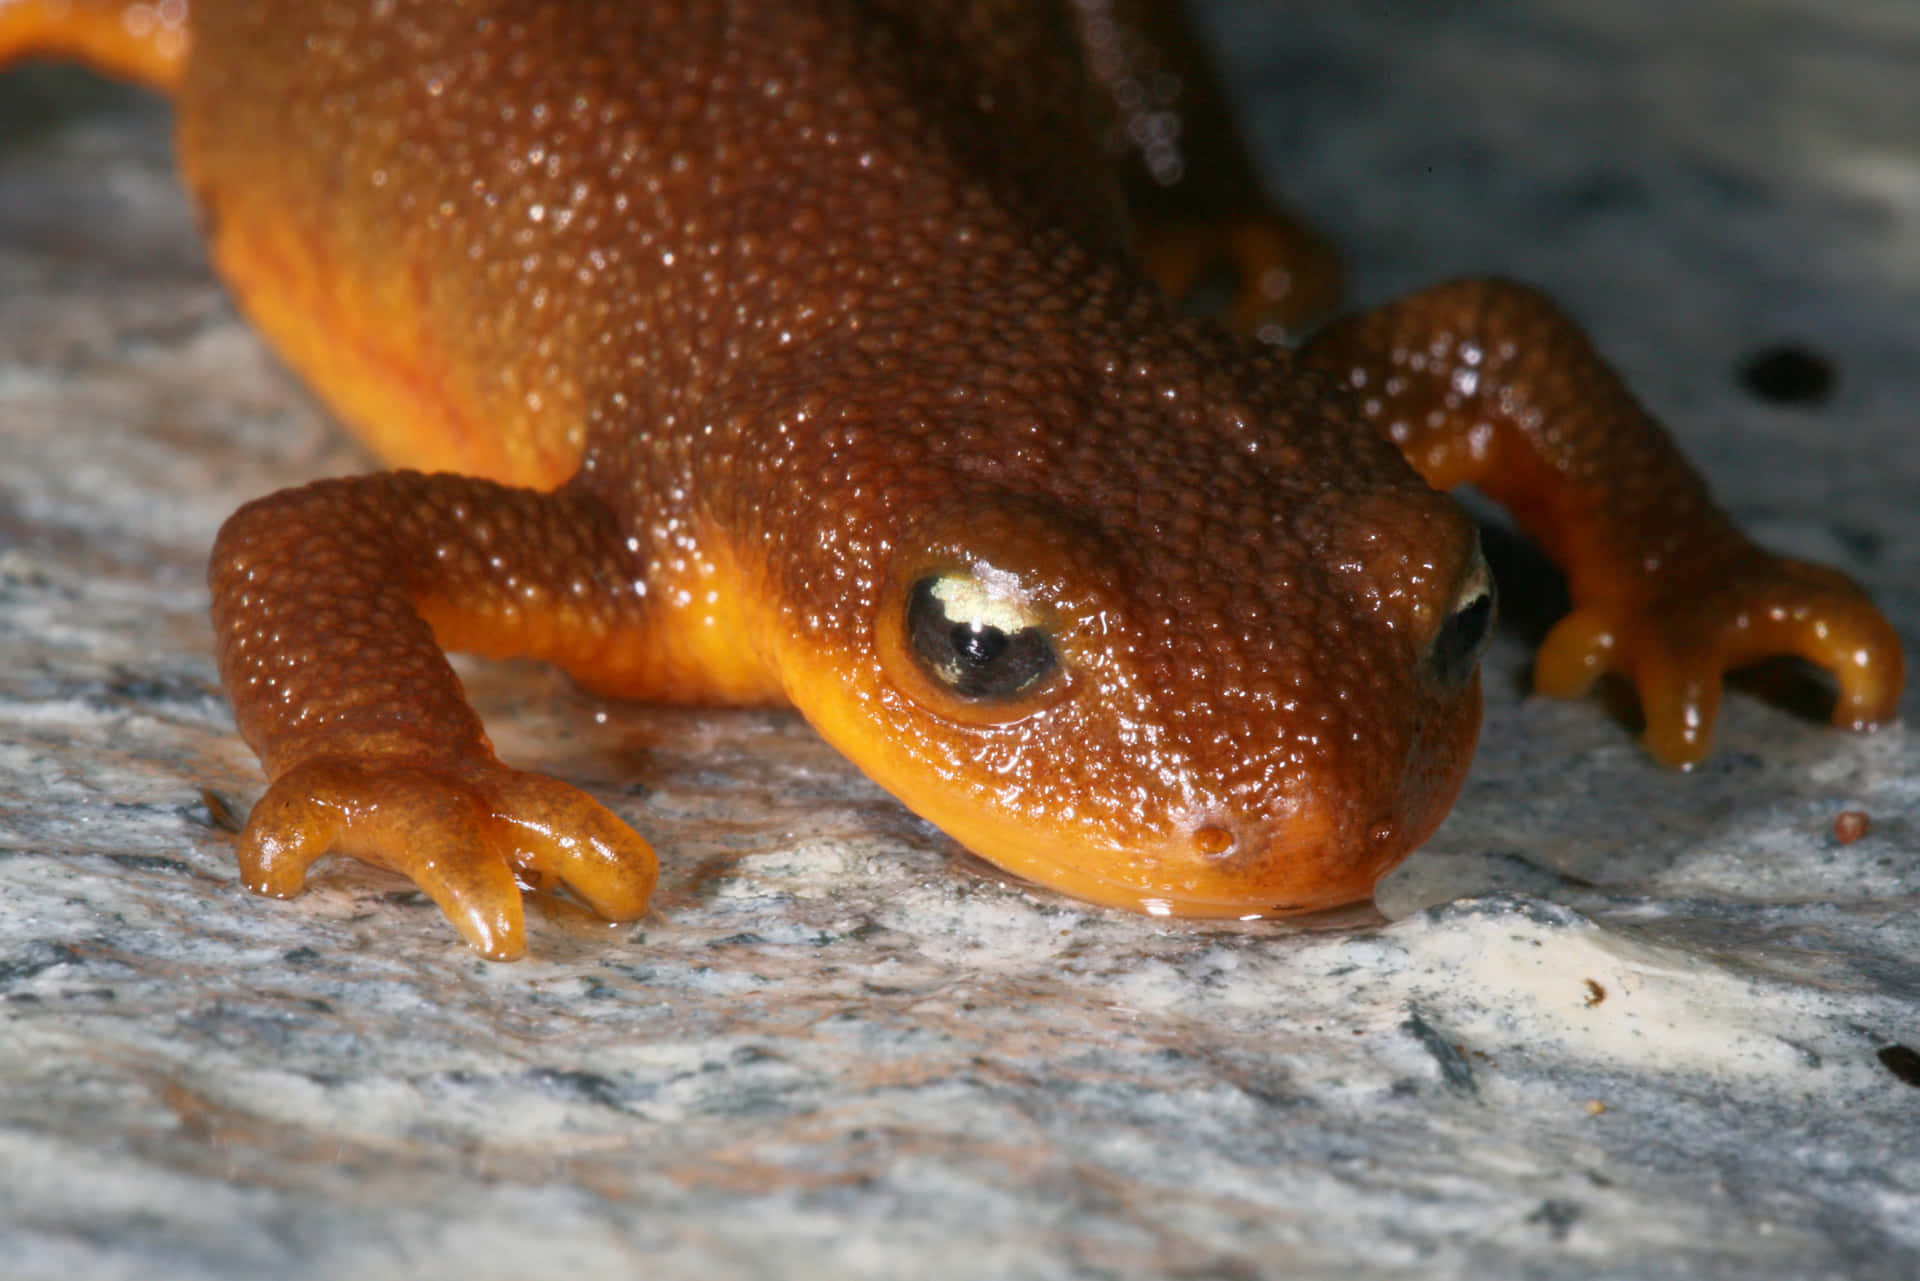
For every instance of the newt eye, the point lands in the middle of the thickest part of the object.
(1456, 648)
(979, 643)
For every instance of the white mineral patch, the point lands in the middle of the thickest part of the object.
(1586, 994)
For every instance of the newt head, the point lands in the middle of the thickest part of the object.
(1188, 678)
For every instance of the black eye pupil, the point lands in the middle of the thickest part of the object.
(975, 660)
(977, 645)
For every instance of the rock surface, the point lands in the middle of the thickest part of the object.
(1620, 1022)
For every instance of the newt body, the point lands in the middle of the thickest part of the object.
(802, 353)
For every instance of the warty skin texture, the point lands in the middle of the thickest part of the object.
(795, 305)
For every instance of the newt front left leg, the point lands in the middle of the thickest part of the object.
(1202, 220)
(331, 605)
(1485, 382)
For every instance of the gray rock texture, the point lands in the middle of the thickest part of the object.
(1618, 1022)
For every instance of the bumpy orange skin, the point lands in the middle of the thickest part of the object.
(770, 309)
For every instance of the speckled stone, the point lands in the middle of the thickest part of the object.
(1620, 1021)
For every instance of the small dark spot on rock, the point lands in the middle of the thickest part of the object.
(589, 1087)
(745, 939)
(637, 974)
(1455, 1071)
(1271, 1098)
(150, 863)
(1557, 1216)
(1903, 1061)
(1733, 764)
(165, 690)
(1789, 374)
(1865, 543)
(1850, 825)
(300, 956)
(39, 956)
(753, 1054)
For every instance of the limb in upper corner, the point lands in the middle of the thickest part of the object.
(1202, 219)
(142, 42)
(1485, 382)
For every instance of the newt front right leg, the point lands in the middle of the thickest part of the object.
(331, 605)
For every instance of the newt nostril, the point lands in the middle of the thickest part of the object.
(1210, 841)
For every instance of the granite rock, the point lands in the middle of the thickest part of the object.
(1613, 1021)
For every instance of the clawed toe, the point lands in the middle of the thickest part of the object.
(1677, 647)
(460, 835)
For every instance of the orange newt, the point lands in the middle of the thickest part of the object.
(818, 352)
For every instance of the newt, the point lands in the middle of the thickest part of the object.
(826, 353)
